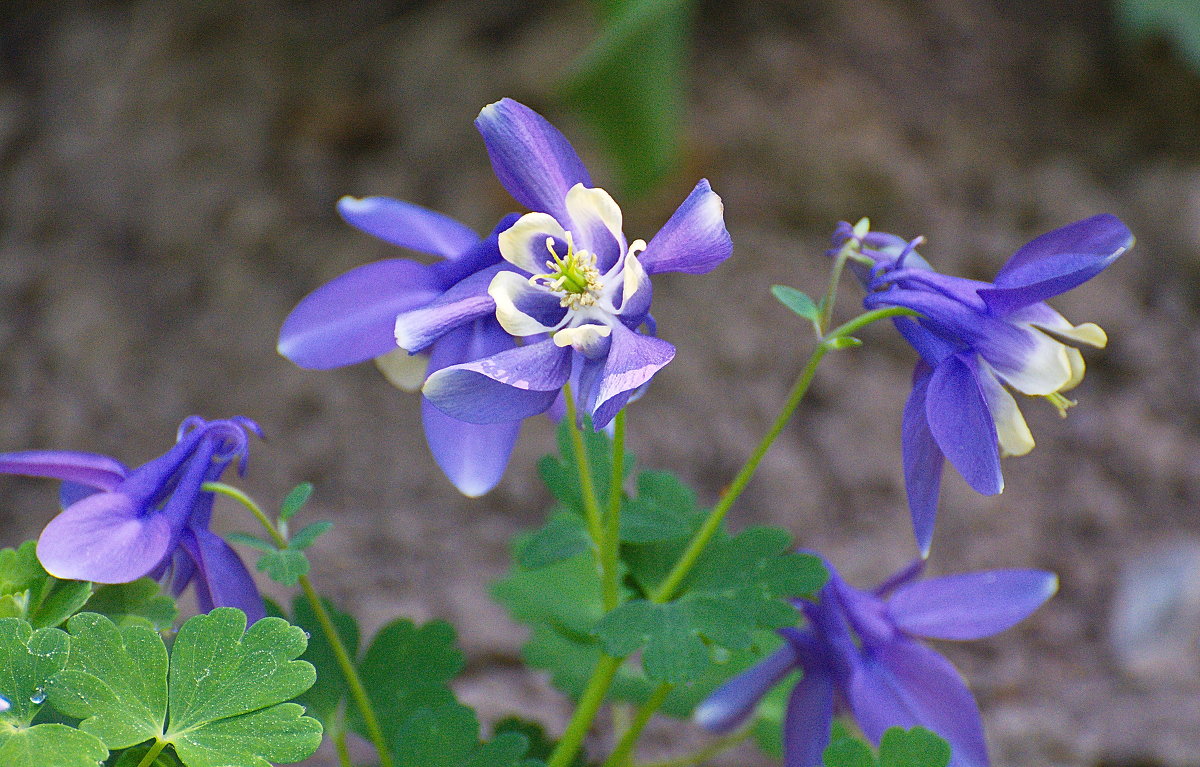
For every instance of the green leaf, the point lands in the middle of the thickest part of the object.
(308, 535)
(226, 691)
(505, 750)
(28, 591)
(917, 747)
(674, 651)
(848, 752)
(1175, 20)
(629, 85)
(561, 474)
(141, 601)
(295, 500)
(562, 537)
(664, 509)
(437, 737)
(407, 668)
(115, 681)
(28, 661)
(539, 746)
(797, 301)
(284, 566)
(253, 541)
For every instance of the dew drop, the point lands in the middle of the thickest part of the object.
(39, 696)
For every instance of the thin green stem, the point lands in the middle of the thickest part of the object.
(622, 755)
(357, 692)
(713, 523)
(153, 753)
(585, 713)
(708, 752)
(610, 551)
(343, 752)
(587, 488)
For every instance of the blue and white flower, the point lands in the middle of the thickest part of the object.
(859, 654)
(976, 341)
(575, 290)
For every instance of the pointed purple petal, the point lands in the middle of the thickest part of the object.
(970, 605)
(731, 704)
(808, 719)
(473, 456)
(104, 538)
(95, 471)
(694, 239)
(962, 425)
(923, 460)
(407, 225)
(905, 684)
(1057, 261)
(353, 317)
(464, 302)
(508, 386)
(221, 578)
(532, 159)
(631, 361)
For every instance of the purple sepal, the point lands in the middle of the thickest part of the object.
(95, 471)
(220, 578)
(1057, 261)
(104, 538)
(962, 424)
(532, 158)
(607, 383)
(731, 704)
(508, 386)
(970, 605)
(352, 318)
(923, 460)
(694, 240)
(466, 301)
(473, 456)
(407, 225)
(807, 720)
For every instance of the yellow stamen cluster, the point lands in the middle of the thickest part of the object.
(574, 275)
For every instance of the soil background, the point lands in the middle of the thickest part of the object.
(168, 173)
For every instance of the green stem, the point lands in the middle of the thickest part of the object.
(587, 488)
(343, 752)
(610, 551)
(622, 755)
(585, 713)
(712, 749)
(357, 692)
(153, 753)
(713, 523)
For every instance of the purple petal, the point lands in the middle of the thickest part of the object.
(808, 719)
(962, 425)
(971, 605)
(932, 347)
(532, 159)
(353, 317)
(473, 456)
(221, 578)
(407, 225)
(923, 460)
(731, 704)
(1057, 261)
(94, 471)
(632, 360)
(508, 386)
(905, 684)
(694, 239)
(104, 538)
(465, 302)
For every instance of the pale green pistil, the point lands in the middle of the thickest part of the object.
(573, 276)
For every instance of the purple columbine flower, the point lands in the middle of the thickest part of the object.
(859, 654)
(119, 524)
(354, 318)
(573, 288)
(978, 339)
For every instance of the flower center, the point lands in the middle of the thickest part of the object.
(574, 276)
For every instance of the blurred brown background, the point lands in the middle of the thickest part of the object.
(168, 172)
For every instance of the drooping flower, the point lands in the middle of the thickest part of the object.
(978, 339)
(859, 654)
(119, 524)
(574, 288)
(353, 319)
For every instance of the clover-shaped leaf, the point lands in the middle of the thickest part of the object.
(28, 591)
(28, 661)
(223, 685)
(917, 747)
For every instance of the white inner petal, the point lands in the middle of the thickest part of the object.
(1011, 430)
(504, 288)
(582, 338)
(403, 370)
(586, 205)
(524, 243)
